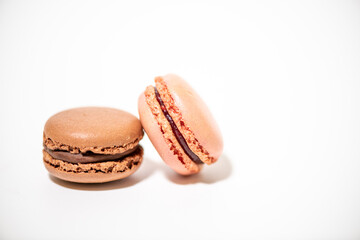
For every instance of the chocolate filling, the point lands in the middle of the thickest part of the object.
(180, 138)
(88, 157)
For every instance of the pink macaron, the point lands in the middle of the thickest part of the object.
(179, 125)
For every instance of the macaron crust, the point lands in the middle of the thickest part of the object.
(92, 144)
(179, 125)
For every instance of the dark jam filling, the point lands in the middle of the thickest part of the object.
(179, 137)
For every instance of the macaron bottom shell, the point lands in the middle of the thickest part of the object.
(99, 172)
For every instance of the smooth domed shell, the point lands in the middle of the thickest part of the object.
(93, 127)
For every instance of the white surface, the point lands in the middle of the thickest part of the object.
(281, 78)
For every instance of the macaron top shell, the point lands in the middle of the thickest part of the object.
(95, 129)
(195, 115)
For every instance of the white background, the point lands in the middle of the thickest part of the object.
(282, 79)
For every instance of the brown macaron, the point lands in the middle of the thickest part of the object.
(92, 144)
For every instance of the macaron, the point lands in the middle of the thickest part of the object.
(92, 144)
(179, 125)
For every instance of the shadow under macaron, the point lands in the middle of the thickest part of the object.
(216, 172)
(146, 169)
